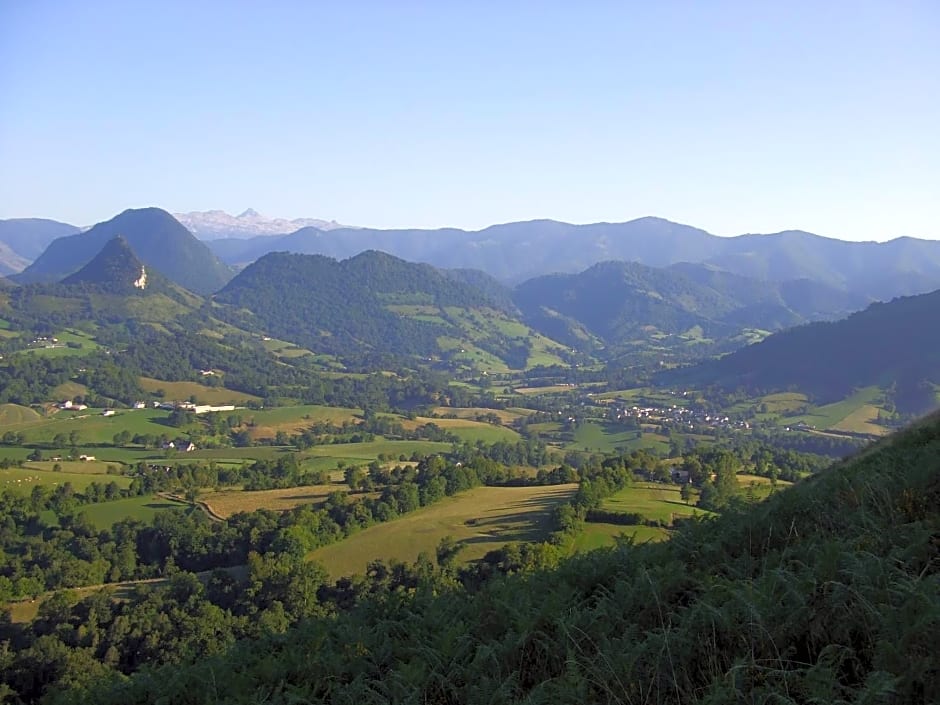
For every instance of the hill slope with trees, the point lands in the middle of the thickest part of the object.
(827, 592)
(888, 344)
(373, 303)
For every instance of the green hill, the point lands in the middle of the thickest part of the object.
(895, 344)
(157, 238)
(117, 270)
(621, 303)
(826, 593)
(373, 304)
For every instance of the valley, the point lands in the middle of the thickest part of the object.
(309, 435)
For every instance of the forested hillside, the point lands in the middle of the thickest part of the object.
(623, 302)
(775, 600)
(372, 303)
(895, 344)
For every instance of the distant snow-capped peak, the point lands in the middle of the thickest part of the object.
(216, 224)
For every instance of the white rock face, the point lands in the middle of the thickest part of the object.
(141, 281)
(212, 225)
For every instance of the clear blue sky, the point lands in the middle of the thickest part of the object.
(731, 116)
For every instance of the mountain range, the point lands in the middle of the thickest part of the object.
(514, 252)
(622, 302)
(158, 239)
(23, 239)
(212, 225)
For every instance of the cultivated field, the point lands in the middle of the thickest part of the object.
(225, 503)
(481, 519)
(183, 391)
(853, 413)
(467, 429)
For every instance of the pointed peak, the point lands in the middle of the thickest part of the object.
(115, 268)
(249, 213)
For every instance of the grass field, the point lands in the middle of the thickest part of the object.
(553, 389)
(225, 503)
(481, 519)
(183, 391)
(506, 416)
(84, 342)
(597, 535)
(466, 429)
(601, 438)
(14, 414)
(105, 514)
(653, 501)
(266, 423)
(759, 487)
(79, 467)
(92, 427)
(371, 450)
(22, 480)
(69, 390)
(837, 416)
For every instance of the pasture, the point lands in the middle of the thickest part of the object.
(466, 429)
(653, 501)
(225, 503)
(104, 515)
(598, 535)
(854, 413)
(14, 414)
(265, 423)
(184, 391)
(506, 416)
(481, 519)
(369, 451)
(92, 427)
(601, 437)
(22, 480)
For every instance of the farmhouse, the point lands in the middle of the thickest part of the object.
(86, 458)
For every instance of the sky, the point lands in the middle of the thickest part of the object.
(734, 117)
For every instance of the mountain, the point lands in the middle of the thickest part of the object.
(623, 302)
(157, 238)
(514, 252)
(10, 262)
(28, 237)
(888, 344)
(374, 304)
(114, 288)
(214, 225)
(116, 269)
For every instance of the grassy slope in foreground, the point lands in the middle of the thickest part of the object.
(827, 592)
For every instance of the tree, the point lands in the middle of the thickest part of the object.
(686, 492)
(353, 475)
